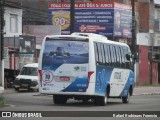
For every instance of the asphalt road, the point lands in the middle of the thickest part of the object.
(32, 101)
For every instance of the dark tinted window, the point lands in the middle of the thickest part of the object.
(120, 55)
(117, 56)
(96, 52)
(111, 55)
(100, 53)
(123, 57)
(31, 71)
(106, 54)
(127, 62)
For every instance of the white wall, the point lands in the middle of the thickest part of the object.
(157, 13)
(7, 15)
(156, 39)
(143, 39)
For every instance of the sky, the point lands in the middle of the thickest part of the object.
(157, 1)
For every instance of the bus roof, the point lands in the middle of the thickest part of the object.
(89, 35)
(99, 38)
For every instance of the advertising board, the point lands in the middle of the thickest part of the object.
(92, 17)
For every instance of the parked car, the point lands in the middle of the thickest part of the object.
(27, 78)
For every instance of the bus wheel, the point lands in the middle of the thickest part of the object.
(102, 100)
(16, 89)
(59, 99)
(126, 98)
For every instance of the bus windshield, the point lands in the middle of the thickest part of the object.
(58, 52)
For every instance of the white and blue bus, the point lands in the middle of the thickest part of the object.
(85, 66)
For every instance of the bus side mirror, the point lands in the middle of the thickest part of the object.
(135, 56)
(128, 57)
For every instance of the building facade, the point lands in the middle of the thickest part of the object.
(147, 26)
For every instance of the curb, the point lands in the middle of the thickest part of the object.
(134, 94)
(154, 93)
(3, 91)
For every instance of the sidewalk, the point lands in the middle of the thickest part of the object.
(138, 90)
(146, 90)
(1, 90)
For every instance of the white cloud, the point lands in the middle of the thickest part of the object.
(157, 1)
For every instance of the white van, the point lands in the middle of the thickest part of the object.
(27, 78)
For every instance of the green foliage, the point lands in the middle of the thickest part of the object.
(2, 101)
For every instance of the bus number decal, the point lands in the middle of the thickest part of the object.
(47, 76)
(117, 75)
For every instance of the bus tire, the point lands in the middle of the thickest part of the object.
(102, 100)
(59, 99)
(16, 89)
(126, 98)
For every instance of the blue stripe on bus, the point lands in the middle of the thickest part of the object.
(103, 78)
(79, 85)
(103, 75)
(130, 82)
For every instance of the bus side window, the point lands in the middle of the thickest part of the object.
(96, 53)
(102, 52)
(106, 54)
(118, 56)
(127, 62)
(109, 55)
(123, 57)
(99, 54)
(112, 55)
(115, 56)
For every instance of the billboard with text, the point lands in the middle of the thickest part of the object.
(93, 17)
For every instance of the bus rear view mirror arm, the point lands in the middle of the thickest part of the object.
(128, 57)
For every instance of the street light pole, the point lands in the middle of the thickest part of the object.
(72, 15)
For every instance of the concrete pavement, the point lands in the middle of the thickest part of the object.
(146, 90)
(138, 90)
(1, 90)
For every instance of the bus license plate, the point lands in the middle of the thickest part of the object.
(64, 78)
(24, 85)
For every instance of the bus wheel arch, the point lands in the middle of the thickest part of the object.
(131, 90)
(108, 90)
(129, 94)
(102, 100)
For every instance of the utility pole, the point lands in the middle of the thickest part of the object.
(72, 15)
(133, 46)
(1, 41)
(133, 27)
